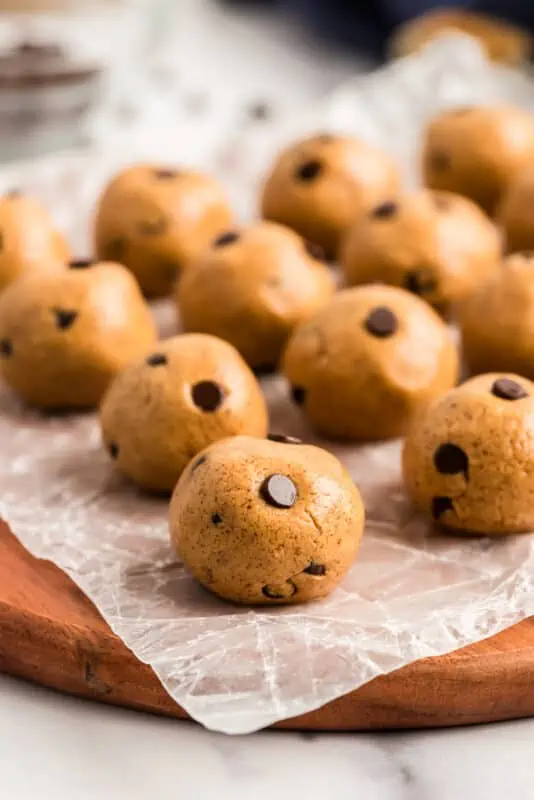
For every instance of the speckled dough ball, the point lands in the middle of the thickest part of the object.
(160, 412)
(498, 321)
(266, 522)
(469, 459)
(155, 220)
(438, 245)
(65, 334)
(320, 186)
(516, 212)
(28, 239)
(369, 362)
(475, 151)
(252, 288)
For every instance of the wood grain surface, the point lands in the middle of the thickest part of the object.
(51, 633)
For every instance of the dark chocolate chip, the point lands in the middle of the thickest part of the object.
(273, 594)
(228, 237)
(260, 111)
(12, 194)
(507, 389)
(262, 370)
(113, 449)
(325, 138)
(115, 249)
(381, 322)
(298, 393)
(439, 160)
(216, 519)
(64, 318)
(309, 170)
(440, 505)
(279, 491)
(449, 459)
(207, 395)
(156, 359)
(165, 174)
(442, 203)
(385, 210)
(153, 227)
(6, 348)
(315, 569)
(419, 281)
(280, 437)
(81, 263)
(198, 463)
(315, 250)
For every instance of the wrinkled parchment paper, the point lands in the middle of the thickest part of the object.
(412, 593)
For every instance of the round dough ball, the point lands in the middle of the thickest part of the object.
(160, 412)
(28, 239)
(155, 220)
(516, 212)
(498, 321)
(469, 459)
(320, 186)
(65, 334)
(438, 245)
(502, 41)
(363, 367)
(475, 151)
(252, 287)
(266, 522)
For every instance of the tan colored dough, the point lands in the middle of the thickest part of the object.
(476, 150)
(356, 385)
(498, 321)
(28, 239)
(352, 177)
(161, 411)
(156, 219)
(252, 290)
(438, 245)
(469, 459)
(516, 211)
(237, 542)
(65, 334)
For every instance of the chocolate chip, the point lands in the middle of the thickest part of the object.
(385, 210)
(216, 519)
(280, 437)
(198, 463)
(298, 393)
(12, 194)
(262, 370)
(115, 249)
(441, 203)
(440, 505)
(528, 254)
(165, 174)
(207, 395)
(259, 111)
(229, 237)
(325, 138)
(113, 449)
(153, 227)
(81, 263)
(381, 322)
(64, 318)
(275, 593)
(309, 170)
(507, 389)
(315, 250)
(449, 459)
(419, 281)
(156, 359)
(279, 491)
(315, 569)
(439, 160)
(6, 348)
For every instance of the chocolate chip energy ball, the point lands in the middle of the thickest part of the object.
(28, 239)
(516, 211)
(364, 366)
(438, 245)
(469, 459)
(252, 287)
(497, 323)
(476, 150)
(155, 220)
(161, 411)
(266, 522)
(320, 186)
(65, 334)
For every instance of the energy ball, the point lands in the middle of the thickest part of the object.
(161, 411)
(516, 212)
(28, 239)
(476, 150)
(469, 458)
(252, 287)
(497, 323)
(266, 522)
(438, 245)
(156, 219)
(320, 186)
(364, 366)
(65, 334)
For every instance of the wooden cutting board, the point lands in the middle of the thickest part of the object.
(51, 633)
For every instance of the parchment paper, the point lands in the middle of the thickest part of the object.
(411, 593)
